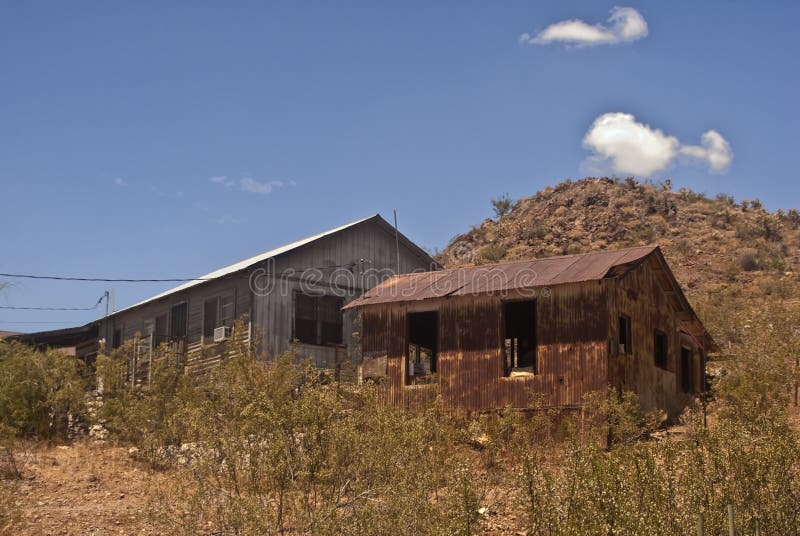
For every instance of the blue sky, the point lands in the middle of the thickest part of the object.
(115, 117)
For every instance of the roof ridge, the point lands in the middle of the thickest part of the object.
(249, 261)
(554, 257)
(556, 270)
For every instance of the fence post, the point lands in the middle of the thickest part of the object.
(701, 524)
(731, 527)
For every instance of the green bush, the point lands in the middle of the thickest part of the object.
(492, 253)
(275, 449)
(40, 391)
(502, 205)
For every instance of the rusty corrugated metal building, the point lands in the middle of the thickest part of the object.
(554, 328)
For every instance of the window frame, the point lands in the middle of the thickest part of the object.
(508, 367)
(160, 338)
(116, 337)
(433, 368)
(206, 331)
(171, 326)
(625, 339)
(320, 333)
(226, 300)
(687, 383)
(660, 361)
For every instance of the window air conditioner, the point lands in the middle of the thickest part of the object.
(221, 333)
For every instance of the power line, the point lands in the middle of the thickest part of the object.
(23, 322)
(166, 280)
(92, 308)
(106, 279)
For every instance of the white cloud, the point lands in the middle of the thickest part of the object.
(119, 181)
(635, 148)
(625, 24)
(714, 149)
(223, 180)
(249, 184)
(227, 219)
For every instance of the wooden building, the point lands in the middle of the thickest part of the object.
(292, 295)
(554, 328)
(80, 342)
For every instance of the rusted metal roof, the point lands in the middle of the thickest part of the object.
(503, 277)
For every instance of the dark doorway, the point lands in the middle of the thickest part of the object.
(519, 341)
(686, 370)
(423, 333)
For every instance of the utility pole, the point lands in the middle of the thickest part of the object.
(397, 242)
(106, 298)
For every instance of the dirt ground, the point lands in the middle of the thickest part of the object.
(94, 488)
(84, 488)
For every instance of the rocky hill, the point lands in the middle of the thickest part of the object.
(716, 246)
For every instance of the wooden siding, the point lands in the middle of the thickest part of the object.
(141, 320)
(273, 313)
(367, 246)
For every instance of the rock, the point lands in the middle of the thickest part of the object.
(479, 442)
(98, 432)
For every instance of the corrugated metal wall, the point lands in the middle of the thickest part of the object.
(640, 295)
(572, 330)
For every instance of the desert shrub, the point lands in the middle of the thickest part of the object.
(691, 196)
(492, 253)
(153, 416)
(646, 234)
(793, 215)
(278, 450)
(502, 205)
(149, 417)
(534, 233)
(745, 231)
(749, 261)
(40, 391)
(726, 199)
(660, 487)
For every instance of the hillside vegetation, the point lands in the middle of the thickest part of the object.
(712, 244)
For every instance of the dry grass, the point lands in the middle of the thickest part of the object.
(84, 488)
